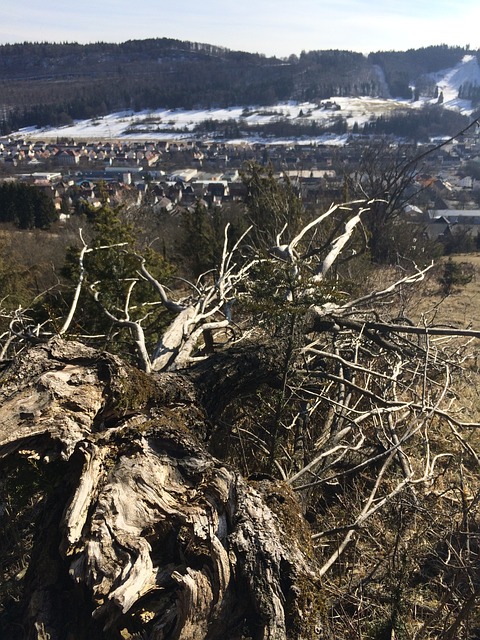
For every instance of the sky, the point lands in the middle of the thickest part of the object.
(270, 27)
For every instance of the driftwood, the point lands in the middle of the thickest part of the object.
(142, 533)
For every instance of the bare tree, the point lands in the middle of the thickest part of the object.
(386, 175)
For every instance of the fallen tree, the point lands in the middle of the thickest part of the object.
(140, 532)
(263, 476)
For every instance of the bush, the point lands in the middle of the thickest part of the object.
(455, 275)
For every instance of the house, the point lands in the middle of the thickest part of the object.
(456, 216)
(330, 105)
(150, 159)
(184, 175)
(437, 229)
(238, 191)
(175, 192)
(66, 157)
(466, 183)
(217, 191)
(164, 204)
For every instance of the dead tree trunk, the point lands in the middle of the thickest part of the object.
(140, 533)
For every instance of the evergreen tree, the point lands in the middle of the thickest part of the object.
(271, 204)
(26, 206)
(455, 274)
(203, 238)
(111, 268)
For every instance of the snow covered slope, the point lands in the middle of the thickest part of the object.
(449, 81)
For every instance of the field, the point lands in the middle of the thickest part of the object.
(461, 308)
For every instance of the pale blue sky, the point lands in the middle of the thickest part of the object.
(272, 27)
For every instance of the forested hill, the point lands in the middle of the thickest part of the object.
(51, 84)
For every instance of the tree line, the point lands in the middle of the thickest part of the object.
(28, 207)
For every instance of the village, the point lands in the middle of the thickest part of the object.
(172, 175)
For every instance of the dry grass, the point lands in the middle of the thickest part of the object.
(426, 304)
(461, 308)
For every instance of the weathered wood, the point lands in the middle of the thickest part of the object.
(149, 536)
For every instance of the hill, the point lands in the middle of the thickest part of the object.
(326, 120)
(54, 84)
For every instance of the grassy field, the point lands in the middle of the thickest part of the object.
(461, 308)
(426, 304)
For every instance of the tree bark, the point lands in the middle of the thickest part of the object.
(141, 533)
